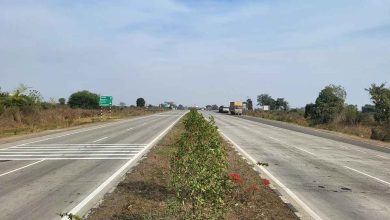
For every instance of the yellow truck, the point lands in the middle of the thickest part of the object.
(235, 108)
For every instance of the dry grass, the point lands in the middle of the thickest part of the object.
(360, 130)
(290, 117)
(13, 122)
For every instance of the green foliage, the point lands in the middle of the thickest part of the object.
(351, 114)
(281, 104)
(84, 99)
(249, 104)
(265, 99)
(140, 102)
(21, 99)
(380, 96)
(199, 169)
(381, 133)
(329, 104)
(62, 101)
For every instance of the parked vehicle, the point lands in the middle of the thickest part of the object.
(235, 108)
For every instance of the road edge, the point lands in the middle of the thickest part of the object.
(303, 207)
(90, 200)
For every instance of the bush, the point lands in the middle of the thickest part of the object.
(199, 170)
(380, 133)
(84, 99)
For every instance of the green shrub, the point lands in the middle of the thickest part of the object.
(381, 133)
(199, 170)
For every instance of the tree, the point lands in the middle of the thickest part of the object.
(122, 104)
(214, 107)
(265, 99)
(281, 104)
(84, 99)
(351, 114)
(180, 107)
(380, 96)
(329, 104)
(62, 101)
(249, 104)
(140, 102)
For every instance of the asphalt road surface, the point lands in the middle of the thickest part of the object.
(323, 178)
(71, 171)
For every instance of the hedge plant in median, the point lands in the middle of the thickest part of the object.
(199, 170)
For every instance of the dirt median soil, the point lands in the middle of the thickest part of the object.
(144, 193)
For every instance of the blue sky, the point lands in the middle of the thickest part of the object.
(195, 52)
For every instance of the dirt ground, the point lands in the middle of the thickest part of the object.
(144, 193)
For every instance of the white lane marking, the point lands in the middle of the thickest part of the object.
(376, 178)
(287, 190)
(289, 145)
(69, 147)
(65, 154)
(39, 145)
(28, 165)
(99, 139)
(129, 129)
(88, 129)
(73, 158)
(85, 201)
(66, 151)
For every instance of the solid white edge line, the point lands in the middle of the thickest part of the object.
(281, 185)
(376, 178)
(12, 171)
(85, 201)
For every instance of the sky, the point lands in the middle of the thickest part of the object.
(195, 52)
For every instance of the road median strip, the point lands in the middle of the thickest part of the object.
(146, 192)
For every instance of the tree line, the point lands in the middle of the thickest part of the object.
(25, 99)
(330, 107)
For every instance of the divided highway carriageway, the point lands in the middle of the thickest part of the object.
(70, 171)
(321, 177)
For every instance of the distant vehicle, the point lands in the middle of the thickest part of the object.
(223, 109)
(235, 108)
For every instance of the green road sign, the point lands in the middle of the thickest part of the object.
(105, 101)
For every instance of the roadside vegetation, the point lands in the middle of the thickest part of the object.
(330, 112)
(193, 174)
(24, 111)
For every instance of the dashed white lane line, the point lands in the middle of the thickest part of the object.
(289, 145)
(287, 190)
(365, 174)
(99, 139)
(12, 171)
(88, 129)
(129, 129)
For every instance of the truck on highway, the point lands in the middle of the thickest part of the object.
(235, 108)
(223, 109)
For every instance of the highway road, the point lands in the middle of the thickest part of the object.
(322, 178)
(71, 171)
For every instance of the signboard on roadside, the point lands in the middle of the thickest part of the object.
(105, 101)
